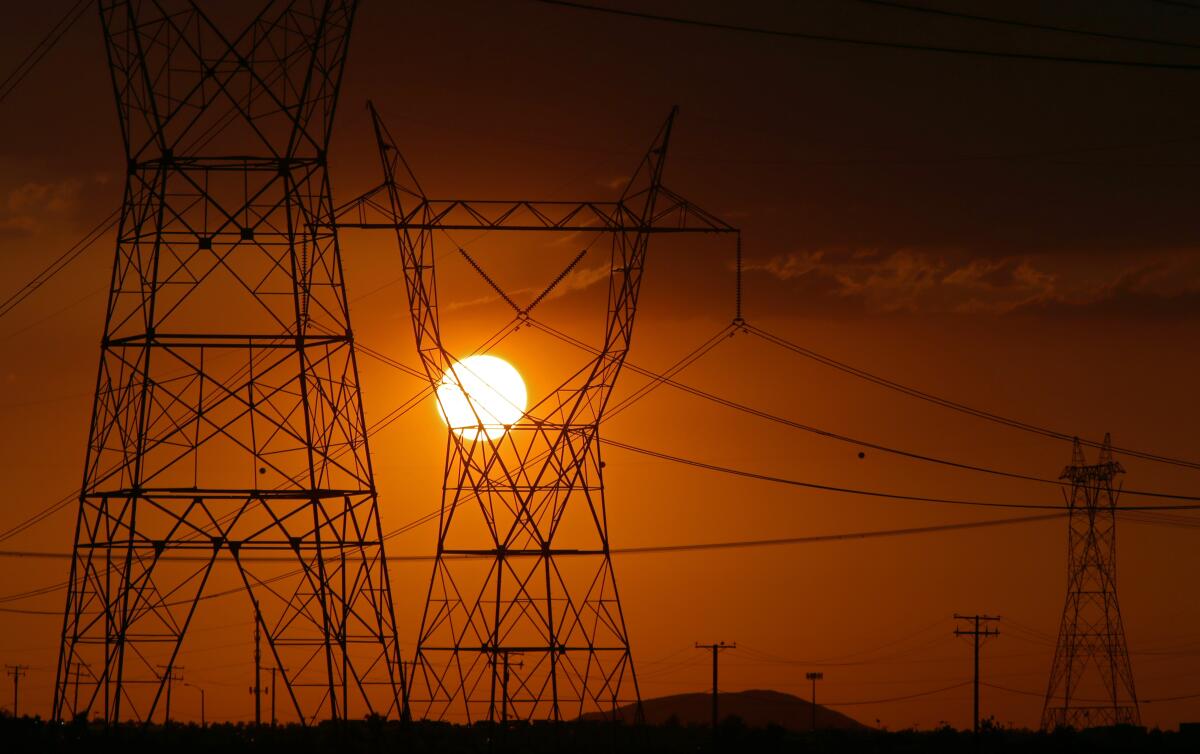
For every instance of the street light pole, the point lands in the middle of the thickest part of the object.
(814, 677)
(203, 722)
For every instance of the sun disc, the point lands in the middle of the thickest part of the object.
(481, 395)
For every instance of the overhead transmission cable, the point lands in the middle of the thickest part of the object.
(1042, 694)
(633, 550)
(388, 419)
(890, 699)
(835, 435)
(864, 42)
(42, 48)
(946, 13)
(687, 359)
(874, 493)
(73, 253)
(863, 374)
(1178, 4)
(59, 264)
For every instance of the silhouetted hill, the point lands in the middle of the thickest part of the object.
(756, 708)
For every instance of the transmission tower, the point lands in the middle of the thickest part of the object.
(523, 561)
(1091, 681)
(227, 453)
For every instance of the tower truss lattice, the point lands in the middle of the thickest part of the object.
(1091, 681)
(522, 617)
(227, 465)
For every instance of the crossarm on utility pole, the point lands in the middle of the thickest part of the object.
(716, 648)
(979, 631)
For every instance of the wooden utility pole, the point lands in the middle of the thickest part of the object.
(74, 671)
(257, 690)
(272, 689)
(504, 703)
(716, 649)
(17, 672)
(979, 631)
(506, 663)
(172, 674)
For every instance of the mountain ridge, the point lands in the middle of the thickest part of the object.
(755, 707)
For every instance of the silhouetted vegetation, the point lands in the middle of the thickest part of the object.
(377, 735)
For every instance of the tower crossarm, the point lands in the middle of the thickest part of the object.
(672, 214)
(523, 564)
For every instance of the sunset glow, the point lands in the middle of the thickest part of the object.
(481, 393)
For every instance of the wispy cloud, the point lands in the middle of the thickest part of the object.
(920, 281)
(29, 206)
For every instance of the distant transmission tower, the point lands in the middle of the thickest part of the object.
(523, 561)
(1091, 681)
(227, 422)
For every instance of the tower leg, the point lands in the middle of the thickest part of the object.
(227, 455)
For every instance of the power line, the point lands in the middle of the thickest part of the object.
(830, 434)
(891, 699)
(202, 139)
(1177, 4)
(378, 426)
(909, 47)
(636, 550)
(1028, 25)
(870, 493)
(836, 660)
(954, 405)
(70, 255)
(658, 380)
(755, 543)
(1158, 700)
(59, 264)
(42, 48)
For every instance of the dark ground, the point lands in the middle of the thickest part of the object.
(35, 735)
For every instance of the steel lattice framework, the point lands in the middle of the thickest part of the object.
(522, 618)
(227, 421)
(1091, 681)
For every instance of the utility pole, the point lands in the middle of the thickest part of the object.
(257, 690)
(272, 691)
(17, 672)
(504, 654)
(980, 631)
(173, 673)
(74, 670)
(716, 648)
(814, 677)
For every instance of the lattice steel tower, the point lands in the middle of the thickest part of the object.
(228, 422)
(1091, 681)
(522, 618)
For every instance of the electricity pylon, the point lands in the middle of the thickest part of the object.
(1091, 681)
(523, 561)
(227, 421)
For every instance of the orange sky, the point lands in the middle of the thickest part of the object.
(1058, 289)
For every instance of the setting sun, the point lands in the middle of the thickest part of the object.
(481, 393)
